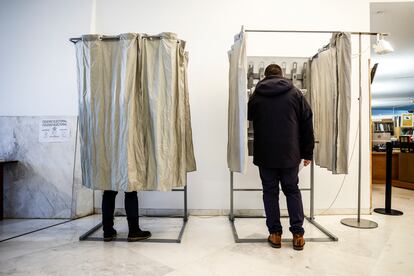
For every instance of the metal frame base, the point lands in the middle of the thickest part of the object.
(184, 216)
(361, 223)
(390, 212)
(86, 236)
(330, 237)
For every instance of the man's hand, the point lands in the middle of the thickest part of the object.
(306, 162)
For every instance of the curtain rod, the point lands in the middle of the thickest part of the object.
(313, 32)
(117, 37)
(76, 39)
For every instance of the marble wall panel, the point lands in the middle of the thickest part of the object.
(45, 183)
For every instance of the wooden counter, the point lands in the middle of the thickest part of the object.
(402, 169)
(379, 167)
(406, 171)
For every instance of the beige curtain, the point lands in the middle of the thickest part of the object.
(237, 151)
(344, 60)
(323, 102)
(134, 116)
(166, 112)
(331, 103)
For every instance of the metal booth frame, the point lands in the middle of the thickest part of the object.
(87, 236)
(311, 218)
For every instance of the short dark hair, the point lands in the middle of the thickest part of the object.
(273, 70)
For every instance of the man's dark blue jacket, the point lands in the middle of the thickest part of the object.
(282, 123)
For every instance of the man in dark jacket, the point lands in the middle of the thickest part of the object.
(283, 135)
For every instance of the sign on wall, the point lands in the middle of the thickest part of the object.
(407, 120)
(54, 130)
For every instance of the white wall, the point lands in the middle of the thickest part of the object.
(37, 62)
(42, 55)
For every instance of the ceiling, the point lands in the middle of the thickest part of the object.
(393, 86)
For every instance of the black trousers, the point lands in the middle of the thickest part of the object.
(108, 208)
(289, 180)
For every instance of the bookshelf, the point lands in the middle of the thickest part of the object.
(383, 126)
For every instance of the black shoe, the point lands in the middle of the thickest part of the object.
(109, 235)
(135, 233)
(138, 235)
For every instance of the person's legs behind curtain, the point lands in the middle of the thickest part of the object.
(131, 209)
(108, 208)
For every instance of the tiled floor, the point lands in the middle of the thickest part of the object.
(10, 228)
(208, 249)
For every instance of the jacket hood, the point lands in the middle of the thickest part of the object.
(273, 86)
